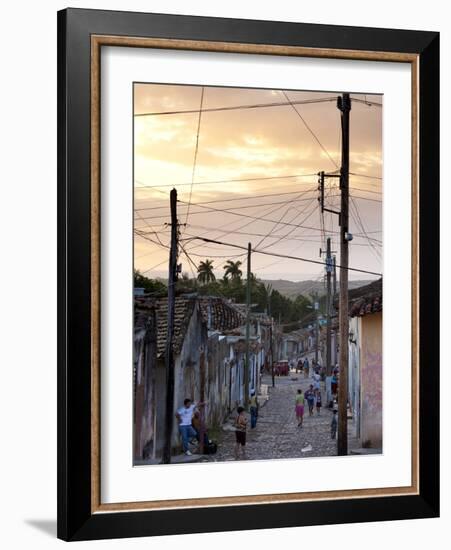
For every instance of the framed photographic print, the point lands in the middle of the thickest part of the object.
(248, 274)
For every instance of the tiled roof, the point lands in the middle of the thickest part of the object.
(365, 299)
(219, 314)
(184, 308)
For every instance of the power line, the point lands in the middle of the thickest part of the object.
(310, 130)
(217, 256)
(237, 107)
(236, 180)
(291, 230)
(366, 198)
(365, 176)
(269, 220)
(144, 236)
(230, 210)
(282, 255)
(245, 197)
(368, 103)
(282, 237)
(282, 217)
(154, 266)
(190, 261)
(366, 190)
(260, 219)
(150, 227)
(241, 226)
(195, 154)
(236, 232)
(359, 222)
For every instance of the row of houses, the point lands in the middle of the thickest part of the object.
(365, 358)
(209, 347)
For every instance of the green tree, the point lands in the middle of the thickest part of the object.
(186, 284)
(302, 306)
(205, 272)
(150, 285)
(232, 270)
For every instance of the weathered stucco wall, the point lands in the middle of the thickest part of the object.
(371, 380)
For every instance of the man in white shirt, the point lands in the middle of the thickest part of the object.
(184, 416)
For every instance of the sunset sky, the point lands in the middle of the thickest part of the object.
(278, 150)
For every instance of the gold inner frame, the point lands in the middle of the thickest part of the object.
(97, 41)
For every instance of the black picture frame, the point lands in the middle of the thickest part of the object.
(76, 521)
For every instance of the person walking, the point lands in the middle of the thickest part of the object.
(316, 381)
(334, 382)
(253, 409)
(318, 403)
(333, 425)
(310, 396)
(240, 433)
(306, 367)
(299, 408)
(299, 366)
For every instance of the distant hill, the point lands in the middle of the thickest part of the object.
(292, 289)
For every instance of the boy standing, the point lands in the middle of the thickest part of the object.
(240, 433)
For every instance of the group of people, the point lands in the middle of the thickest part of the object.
(191, 426)
(312, 396)
(303, 366)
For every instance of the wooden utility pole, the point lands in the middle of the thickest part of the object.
(270, 338)
(169, 354)
(334, 275)
(328, 310)
(202, 400)
(344, 105)
(248, 321)
(316, 308)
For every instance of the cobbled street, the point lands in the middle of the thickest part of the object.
(277, 434)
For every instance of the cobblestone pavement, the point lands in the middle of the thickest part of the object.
(277, 434)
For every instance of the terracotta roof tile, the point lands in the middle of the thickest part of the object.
(365, 299)
(184, 308)
(219, 314)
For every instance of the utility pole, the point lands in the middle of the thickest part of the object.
(202, 400)
(270, 337)
(344, 105)
(248, 321)
(316, 308)
(169, 355)
(334, 274)
(328, 310)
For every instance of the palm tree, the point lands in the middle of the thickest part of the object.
(205, 272)
(232, 270)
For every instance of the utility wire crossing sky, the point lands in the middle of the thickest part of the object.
(245, 164)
